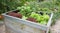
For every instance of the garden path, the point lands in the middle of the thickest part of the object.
(56, 28)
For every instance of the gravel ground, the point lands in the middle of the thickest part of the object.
(2, 29)
(55, 28)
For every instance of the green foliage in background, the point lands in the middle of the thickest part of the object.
(6, 5)
(54, 5)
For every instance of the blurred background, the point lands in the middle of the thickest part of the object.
(49, 5)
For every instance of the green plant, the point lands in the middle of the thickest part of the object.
(7, 5)
(42, 19)
(25, 10)
(32, 7)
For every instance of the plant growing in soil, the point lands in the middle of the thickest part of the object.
(15, 14)
(33, 14)
(43, 19)
(34, 17)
